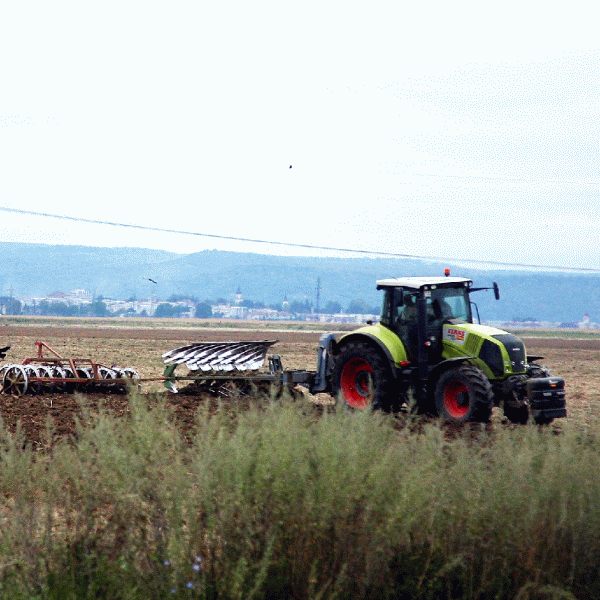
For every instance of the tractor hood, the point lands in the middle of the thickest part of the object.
(500, 353)
(458, 333)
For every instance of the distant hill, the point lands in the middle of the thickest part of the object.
(38, 270)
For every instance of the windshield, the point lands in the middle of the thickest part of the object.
(449, 304)
(442, 305)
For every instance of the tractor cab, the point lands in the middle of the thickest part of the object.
(416, 309)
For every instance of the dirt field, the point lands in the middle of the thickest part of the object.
(578, 361)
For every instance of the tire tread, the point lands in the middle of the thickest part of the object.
(481, 408)
(384, 397)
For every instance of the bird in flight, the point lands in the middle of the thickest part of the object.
(152, 280)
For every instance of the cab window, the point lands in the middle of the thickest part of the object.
(449, 304)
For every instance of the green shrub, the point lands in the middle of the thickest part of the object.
(282, 500)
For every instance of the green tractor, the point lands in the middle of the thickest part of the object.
(427, 352)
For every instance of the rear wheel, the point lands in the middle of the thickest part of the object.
(362, 378)
(464, 394)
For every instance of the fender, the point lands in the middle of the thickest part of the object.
(449, 363)
(375, 340)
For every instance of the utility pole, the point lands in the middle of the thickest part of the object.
(318, 295)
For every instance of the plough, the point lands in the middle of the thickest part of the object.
(230, 368)
(55, 373)
(217, 368)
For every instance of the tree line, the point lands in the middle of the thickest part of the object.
(168, 309)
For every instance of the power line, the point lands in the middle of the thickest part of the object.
(297, 245)
(528, 180)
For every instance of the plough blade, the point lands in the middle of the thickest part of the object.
(220, 356)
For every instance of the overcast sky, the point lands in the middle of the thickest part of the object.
(462, 129)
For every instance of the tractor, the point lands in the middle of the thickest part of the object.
(426, 352)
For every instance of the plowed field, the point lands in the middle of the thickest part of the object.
(577, 360)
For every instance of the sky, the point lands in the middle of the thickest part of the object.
(463, 130)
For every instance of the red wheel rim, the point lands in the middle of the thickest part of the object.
(356, 383)
(456, 399)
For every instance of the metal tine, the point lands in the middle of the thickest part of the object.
(227, 349)
(235, 359)
(202, 347)
(221, 356)
(206, 349)
(214, 348)
(177, 354)
(220, 360)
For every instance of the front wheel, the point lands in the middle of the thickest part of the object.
(361, 377)
(464, 394)
(516, 414)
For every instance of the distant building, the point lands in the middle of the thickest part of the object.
(56, 297)
(238, 297)
(81, 295)
(585, 322)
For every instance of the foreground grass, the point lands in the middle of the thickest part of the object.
(282, 502)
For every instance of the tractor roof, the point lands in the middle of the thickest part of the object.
(419, 282)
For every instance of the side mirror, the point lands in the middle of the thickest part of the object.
(496, 291)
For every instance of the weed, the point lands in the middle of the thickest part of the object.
(277, 500)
